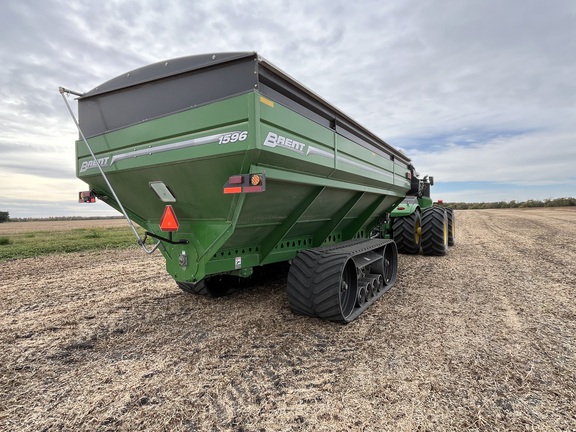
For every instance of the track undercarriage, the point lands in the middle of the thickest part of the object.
(339, 282)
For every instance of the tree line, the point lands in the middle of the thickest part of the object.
(549, 202)
(5, 217)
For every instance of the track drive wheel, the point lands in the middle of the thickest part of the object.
(451, 226)
(434, 231)
(390, 266)
(406, 232)
(347, 292)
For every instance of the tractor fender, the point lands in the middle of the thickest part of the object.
(403, 209)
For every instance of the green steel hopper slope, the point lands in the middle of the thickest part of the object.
(176, 132)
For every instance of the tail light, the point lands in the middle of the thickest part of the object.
(86, 197)
(245, 183)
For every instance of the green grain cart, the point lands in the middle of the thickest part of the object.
(229, 164)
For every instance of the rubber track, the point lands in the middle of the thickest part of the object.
(403, 230)
(314, 279)
(198, 288)
(433, 221)
(310, 277)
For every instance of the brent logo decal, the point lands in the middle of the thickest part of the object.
(273, 140)
(86, 165)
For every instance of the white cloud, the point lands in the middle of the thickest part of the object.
(472, 90)
(533, 159)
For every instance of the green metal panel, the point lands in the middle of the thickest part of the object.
(320, 187)
(294, 143)
(407, 210)
(354, 162)
(425, 202)
(199, 121)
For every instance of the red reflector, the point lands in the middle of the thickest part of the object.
(237, 179)
(248, 189)
(401, 208)
(169, 222)
(232, 190)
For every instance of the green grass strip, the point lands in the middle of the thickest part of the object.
(36, 243)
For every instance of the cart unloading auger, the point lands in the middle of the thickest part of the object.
(259, 170)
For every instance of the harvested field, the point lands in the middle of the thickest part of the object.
(482, 339)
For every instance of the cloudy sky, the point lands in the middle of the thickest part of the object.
(480, 93)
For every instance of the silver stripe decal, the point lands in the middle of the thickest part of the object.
(364, 167)
(329, 155)
(168, 147)
(319, 152)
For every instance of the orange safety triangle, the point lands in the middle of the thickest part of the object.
(169, 222)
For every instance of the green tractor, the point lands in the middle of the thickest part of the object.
(417, 223)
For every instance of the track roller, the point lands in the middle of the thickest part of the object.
(339, 282)
(362, 295)
(378, 286)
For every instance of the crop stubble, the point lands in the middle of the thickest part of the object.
(482, 339)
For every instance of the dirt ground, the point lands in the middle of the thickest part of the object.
(481, 339)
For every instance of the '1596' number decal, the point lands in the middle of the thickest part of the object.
(233, 137)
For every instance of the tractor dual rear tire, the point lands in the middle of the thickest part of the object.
(406, 232)
(434, 231)
(451, 226)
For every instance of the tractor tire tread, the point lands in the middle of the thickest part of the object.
(434, 222)
(403, 232)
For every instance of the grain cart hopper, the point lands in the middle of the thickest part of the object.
(230, 164)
